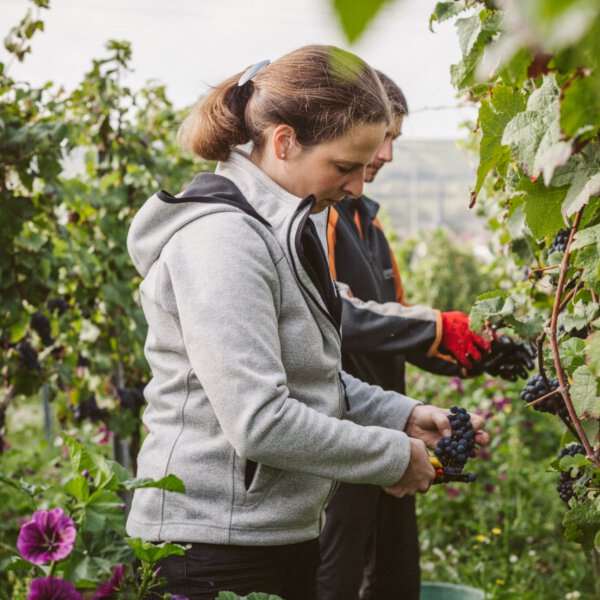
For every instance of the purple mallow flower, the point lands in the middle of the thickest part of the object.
(52, 588)
(110, 587)
(49, 536)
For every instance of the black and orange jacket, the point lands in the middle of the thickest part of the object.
(379, 330)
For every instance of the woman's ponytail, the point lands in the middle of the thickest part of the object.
(217, 122)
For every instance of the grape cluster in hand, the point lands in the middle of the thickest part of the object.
(565, 482)
(454, 451)
(559, 243)
(536, 387)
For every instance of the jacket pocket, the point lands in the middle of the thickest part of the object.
(249, 472)
(253, 481)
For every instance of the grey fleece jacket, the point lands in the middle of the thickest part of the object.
(246, 403)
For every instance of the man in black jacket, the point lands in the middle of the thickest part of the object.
(370, 539)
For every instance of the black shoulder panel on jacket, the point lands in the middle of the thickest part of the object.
(214, 189)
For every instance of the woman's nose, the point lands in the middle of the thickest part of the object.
(354, 186)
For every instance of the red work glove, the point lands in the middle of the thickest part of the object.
(459, 340)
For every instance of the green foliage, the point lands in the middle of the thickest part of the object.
(440, 273)
(539, 173)
(354, 17)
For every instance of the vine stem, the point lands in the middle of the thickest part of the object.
(560, 373)
(544, 397)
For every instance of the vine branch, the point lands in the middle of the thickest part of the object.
(560, 373)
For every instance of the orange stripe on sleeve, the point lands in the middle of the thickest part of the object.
(332, 221)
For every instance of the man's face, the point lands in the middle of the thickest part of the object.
(385, 152)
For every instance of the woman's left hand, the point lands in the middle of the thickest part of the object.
(430, 423)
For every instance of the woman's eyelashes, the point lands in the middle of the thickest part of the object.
(345, 169)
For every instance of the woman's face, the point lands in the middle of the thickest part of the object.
(331, 170)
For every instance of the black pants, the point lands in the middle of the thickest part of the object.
(369, 546)
(207, 569)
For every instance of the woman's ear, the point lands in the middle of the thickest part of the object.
(284, 141)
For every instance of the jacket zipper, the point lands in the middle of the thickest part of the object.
(308, 201)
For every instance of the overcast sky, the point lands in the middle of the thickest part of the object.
(189, 44)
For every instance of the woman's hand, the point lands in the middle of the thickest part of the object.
(430, 423)
(418, 475)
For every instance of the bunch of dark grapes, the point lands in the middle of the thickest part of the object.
(59, 305)
(559, 243)
(454, 451)
(536, 387)
(40, 324)
(89, 409)
(28, 356)
(565, 482)
(131, 399)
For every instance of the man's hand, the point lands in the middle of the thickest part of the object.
(419, 474)
(458, 339)
(430, 423)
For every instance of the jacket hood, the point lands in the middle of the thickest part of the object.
(238, 183)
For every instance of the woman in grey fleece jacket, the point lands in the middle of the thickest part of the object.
(247, 402)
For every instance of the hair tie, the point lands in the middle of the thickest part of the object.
(252, 71)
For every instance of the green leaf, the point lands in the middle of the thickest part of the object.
(80, 457)
(19, 328)
(579, 315)
(586, 237)
(582, 173)
(580, 107)
(494, 114)
(597, 541)
(171, 483)
(486, 306)
(572, 353)
(584, 393)
(79, 488)
(534, 135)
(542, 208)
(444, 11)
(592, 353)
(468, 29)
(581, 524)
(152, 553)
(354, 17)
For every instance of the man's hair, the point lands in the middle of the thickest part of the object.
(394, 94)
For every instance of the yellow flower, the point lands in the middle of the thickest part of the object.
(499, 581)
(496, 531)
(507, 409)
(481, 538)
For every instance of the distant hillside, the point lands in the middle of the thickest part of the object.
(427, 185)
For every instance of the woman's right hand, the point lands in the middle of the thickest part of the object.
(418, 475)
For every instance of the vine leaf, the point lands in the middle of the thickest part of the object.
(474, 32)
(579, 316)
(574, 118)
(592, 353)
(354, 17)
(581, 524)
(444, 11)
(584, 392)
(542, 207)
(572, 353)
(494, 114)
(534, 134)
(582, 173)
